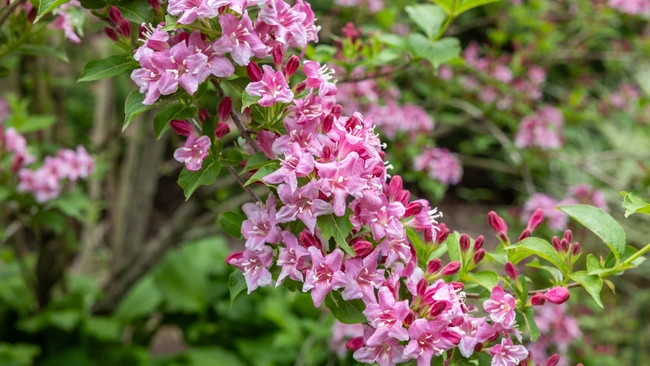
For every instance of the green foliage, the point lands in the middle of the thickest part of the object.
(347, 312)
(428, 17)
(601, 224)
(634, 204)
(236, 284)
(106, 68)
(207, 175)
(535, 246)
(46, 6)
(171, 112)
(133, 107)
(337, 227)
(231, 222)
(263, 171)
(592, 283)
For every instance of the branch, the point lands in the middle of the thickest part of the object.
(5, 15)
(240, 126)
(242, 184)
(543, 291)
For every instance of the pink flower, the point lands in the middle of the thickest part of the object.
(79, 164)
(66, 22)
(303, 204)
(261, 226)
(507, 354)
(387, 318)
(238, 6)
(588, 195)
(387, 353)
(292, 258)
(558, 295)
(473, 331)
(339, 179)
(239, 39)
(318, 77)
(190, 10)
(296, 164)
(500, 306)
(632, 7)
(364, 278)
(428, 339)
(325, 274)
(285, 23)
(194, 152)
(543, 129)
(341, 333)
(216, 64)
(272, 88)
(255, 266)
(181, 65)
(440, 164)
(555, 219)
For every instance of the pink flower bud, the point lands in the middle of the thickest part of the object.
(568, 235)
(337, 110)
(496, 222)
(300, 87)
(307, 240)
(403, 197)
(110, 32)
(413, 208)
(292, 66)
(524, 234)
(434, 266)
(224, 109)
(437, 308)
(553, 360)
(457, 285)
(410, 318)
(478, 243)
(457, 321)
(182, 37)
(428, 235)
(575, 249)
(421, 288)
(535, 220)
(234, 256)
(362, 248)
(124, 28)
(254, 72)
(221, 130)
(203, 114)
(564, 245)
(511, 271)
(443, 233)
(451, 269)
(354, 344)
(478, 256)
(181, 127)
(155, 4)
(556, 243)
(538, 299)
(278, 56)
(114, 15)
(328, 122)
(464, 243)
(558, 295)
(452, 337)
(503, 237)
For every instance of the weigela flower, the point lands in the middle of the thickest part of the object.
(473, 331)
(239, 39)
(260, 227)
(339, 179)
(428, 339)
(387, 317)
(292, 258)
(500, 306)
(272, 88)
(296, 163)
(325, 274)
(285, 23)
(216, 64)
(364, 278)
(255, 266)
(190, 10)
(555, 219)
(194, 152)
(440, 164)
(507, 354)
(543, 130)
(302, 204)
(388, 353)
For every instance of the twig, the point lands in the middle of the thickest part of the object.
(240, 126)
(543, 291)
(5, 15)
(242, 183)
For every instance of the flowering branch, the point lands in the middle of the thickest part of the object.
(240, 126)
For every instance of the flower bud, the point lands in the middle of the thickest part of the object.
(443, 233)
(511, 271)
(478, 243)
(421, 287)
(224, 109)
(564, 245)
(114, 15)
(278, 56)
(234, 256)
(429, 235)
(410, 318)
(535, 220)
(538, 299)
(182, 37)
(575, 249)
(292, 66)
(300, 87)
(337, 110)
(413, 209)
(354, 344)
(496, 222)
(328, 122)
(124, 28)
(155, 4)
(457, 321)
(362, 248)
(457, 285)
(110, 32)
(221, 130)
(434, 266)
(17, 163)
(203, 114)
(524, 234)
(478, 256)
(464, 243)
(556, 243)
(451, 337)
(437, 308)
(558, 295)
(553, 360)
(451, 269)
(568, 235)
(307, 240)
(181, 127)
(31, 16)
(254, 72)
(478, 347)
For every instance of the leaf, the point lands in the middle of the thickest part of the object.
(487, 279)
(141, 301)
(392, 40)
(103, 328)
(471, 4)
(453, 247)
(263, 171)
(601, 224)
(418, 244)
(437, 52)
(133, 106)
(337, 227)
(106, 68)
(535, 246)
(35, 123)
(592, 283)
(248, 100)
(43, 50)
(255, 162)
(529, 318)
(232, 157)
(446, 5)
(136, 11)
(634, 204)
(171, 112)
(190, 181)
(347, 312)
(46, 6)
(428, 17)
(231, 222)
(558, 276)
(236, 284)
(71, 204)
(593, 265)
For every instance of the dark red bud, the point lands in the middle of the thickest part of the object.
(478, 347)
(452, 337)
(496, 222)
(155, 4)
(503, 237)
(538, 299)
(457, 321)
(337, 110)
(478, 256)
(428, 235)
(568, 235)
(362, 248)
(124, 28)
(553, 360)
(203, 114)
(464, 243)
(110, 32)
(307, 240)
(575, 249)
(535, 220)
(328, 122)
(524, 234)
(434, 266)
(278, 56)
(558, 295)
(413, 208)
(224, 109)
(31, 16)
(511, 271)
(354, 344)
(457, 285)
(221, 130)
(556, 243)
(421, 288)
(300, 87)
(292, 66)
(222, 9)
(451, 269)
(17, 163)
(478, 243)
(183, 37)
(181, 127)
(254, 72)
(564, 245)
(437, 308)
(114, 15)
(410, 318)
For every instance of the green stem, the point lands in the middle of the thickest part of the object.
(636, 255)
(450, 19)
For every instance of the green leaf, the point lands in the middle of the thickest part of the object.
(43, 50)
(337, 227)
(141, 301)
(71, 204)
(453, 247)
(392, 40)
(236, 284)
(535, 246)
(347, 312)
(418, 244)
(106, 68)
(231, 222)
(601, 224)
(634, 204)
(471, 4)
(558, 276)
(35, 123)
(46, 6)
(428, 17)
(437, 52)
(487, 279)
(446, 5)
(171, 112)
(232, 157)
(248, 100)
(255, 162)
(103, 328)
(263, 171)
(533, 330)
(136, 11)
(593, 265)
(592, 283)
(133, 106)
(190, 181)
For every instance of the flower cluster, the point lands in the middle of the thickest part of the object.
(440, 164)
(559, 330)
(372, 5)
(542, 129)
(14, 143)
(632, 7)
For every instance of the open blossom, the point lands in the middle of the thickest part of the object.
(500, 306)
(364, 278)
(272, 88)
(239, 39)
(373, 5)
(542, 129)
(387, 317)
(255, 266)
(507, 354)
(339, 180)
(194, 152)
(289, 26)
(65, 21)
(190, 10)
(440, 164)
(388, 353)
(260, 227)
(632, 7)
(302, 204)
(79, 164)
(216, 63)
(296, 163)
(325, 274)
(473, 331)
(585, 194)
(428, 339)
(292, 258)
